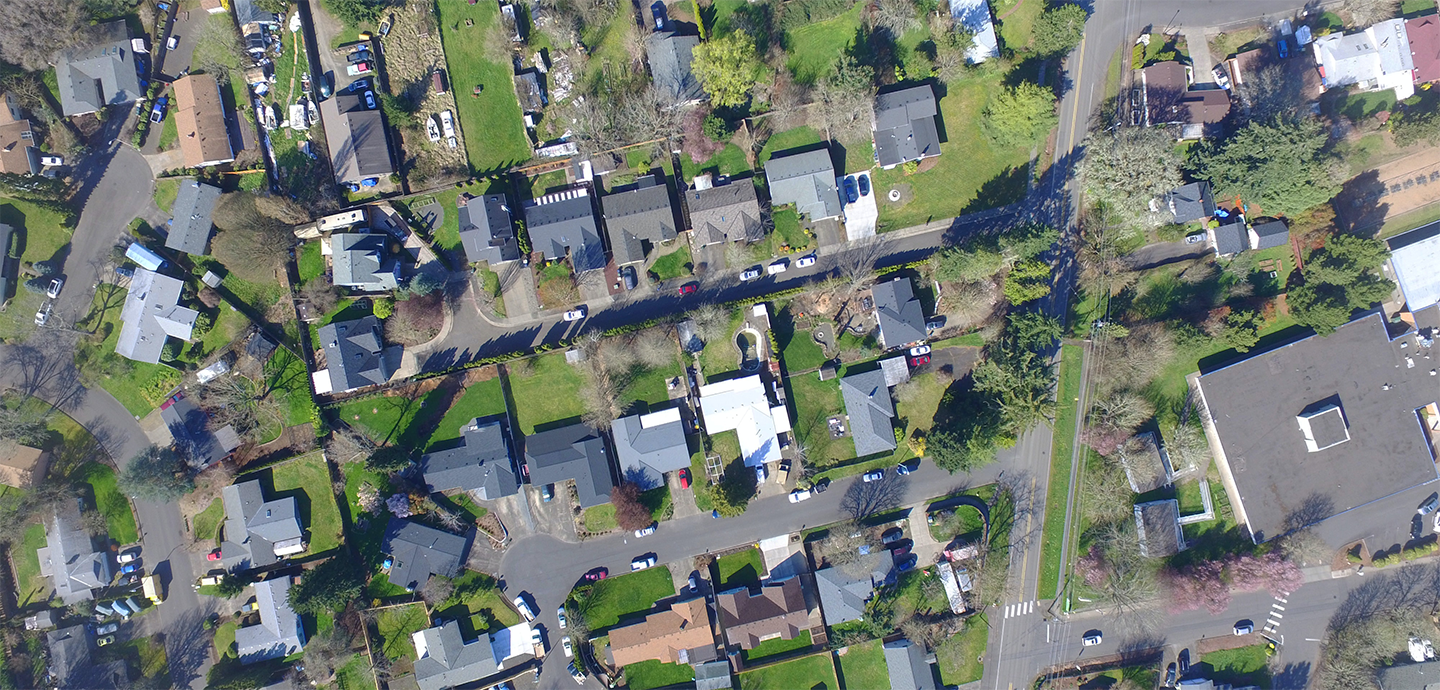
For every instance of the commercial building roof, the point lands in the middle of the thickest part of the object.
(680, 634)
(741, 405)
(640, 213)
(1272, 233)
(728, 212)
(650, 445)
(1423, 34)
(905, 126)
(670, 57)
(200, 122)
(150, 315)
(190, 227)
(1191, 202)
(871, 412)
(1261, 406)
(419, 552)
(258, 532)
(563, 224)
(974, 15)
(279, 633)
(481, 463)
(1231, 238)
(905, 661)
(70, 560)
(21, 466)
(571, 452)
(1373, 59)
(1158, 527)
(355, 353)
(899, 313)
(487, 232)
(842, 597)
(1414, 257)
(18, 152)
(362, 261)
(806, 180)
(98, 74)
(359, 147)
(750, 617)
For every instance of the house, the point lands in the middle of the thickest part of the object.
(871, 412)
(486, 231)
(974, 17)
(650, 445)
(18, 153)
(1146, 464)
(1157, 524)
(530, 91)
(1190, 202)
(729, 212)
(741, 405)
(200, 122)
(575, 452)
(713, 675)
(22, 466)
(562, 225)
(70, 559)
(279, 633)
(1230, 239)
(776, 610)
(190, 428)
(151, 315)
(638, 216)
(189, 229)
(843, 598)
(1169, 100)
(258, 532)
(1375, 59)
(417, 552)
(908, 668)
(1421, 676)
(1271, 233)
(355, 356)
(1424, 36)
(678, 635)
(481, 464)
(904, 128)
(1413, 258)
(363, 261)
(359, 147)
(1325, 426)
(71, 667)
(98, 74)
(806, 180)
(669, 56)
(443, 659)
(899, 313)
(247, 12)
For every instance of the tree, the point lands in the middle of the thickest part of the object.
(630, 513)
(976, 260)
(327, 587)
(382, 307)
(1020, 115)
(728, 67)
(32, 31)
(34, 187)
(1126, 167)
(230, 586)
(241, 402)
(843, 99)
(428, 278)
(733, 492)
(1027, 280)
(1281, 166)
(1367, 12)
(1242, 329)
(896, 17)
(327, 652)
(218, 50)
(1059, 29)
(437, 590)
(26, 427)
(1416, 126)
(252, 245)
(157, 475)
(355, 12)
(1033, 330)
(1339, 278)
(388, 459)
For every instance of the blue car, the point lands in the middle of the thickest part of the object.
(906, 563)
(852, 193)
(864, 185)
(128, 568)
(1284, 49)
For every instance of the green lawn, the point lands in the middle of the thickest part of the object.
(490, 122)
(1058, 489)
(447, 236)
(225, 639)
(698, 483)
(863, 666)
(290, 382)
(545, 392)
(145, 656)
(740, 569)
(355, 675)
(396, 625)
(312, 264)
(478, 605)
(615, 598)
(815, 672)
(480, 399)
(137, 385)
(119, 518)
(650, 386)
(803, 135)
(815, 402)
(33, 587)
(720, 355)
(206, 523)
(813, 48)
(40, 235)
(959, 656)
(168, 132)
(676, 264)
(1018, 21)
(799, 350)
(778, 646)
(653, 673)
(599, 518)
(729, 161)
(788, 230)
(166, 190)
(309, 479)
(1240, 666)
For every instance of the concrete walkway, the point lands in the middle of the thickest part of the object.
(1199, 54)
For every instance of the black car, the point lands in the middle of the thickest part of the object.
(627, 274)
(864, 185)
(852, 193)
(358, 57)
(821, 486)
(1184, 660)
(1170, 674)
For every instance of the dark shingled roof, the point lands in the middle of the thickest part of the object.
(1231, 239)
(481, 463)
(640, 213)
(357, 138)
(101, 73)
(571, 452)
(1191, 202)
(871, 412)
(190, 227)
(421, 551)
(898, 310)
(843, 597)
(906, 662)
(355, 353)
(648, 446)
(1269, 234)
(670, 65)
(562, 224)
(1157, 527)
(905, 126)
(806, 180)
(486, 230)
(727, 212)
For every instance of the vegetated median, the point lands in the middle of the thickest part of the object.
(1062, 449)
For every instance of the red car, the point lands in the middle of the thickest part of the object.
(597, 574)
(213, 555)
(919, 361)
(689, 288)
(684, 478)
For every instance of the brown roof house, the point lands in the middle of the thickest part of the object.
(1424, 36)
(18, 153)
(680, 635)
(775, 610)
(21, 466)
(1170, 101)
(200, 122)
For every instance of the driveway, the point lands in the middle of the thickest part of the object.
(860, 216)
(187, 29)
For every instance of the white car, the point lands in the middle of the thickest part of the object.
(565, 647)
(804, 261)
(645, 531)
(55, 286)
(172, 42)
(107, 629)
(919, 350)
(778, 267)
(799, 495)
(560, 613)
(1091, 638)
(127, 557)
(524, 608)
(1196, 238)
(43, 314)
(750, 274)
(575, 314)
(537, 640)
(642, 563)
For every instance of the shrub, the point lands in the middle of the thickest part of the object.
(383, 307)
(716, 128)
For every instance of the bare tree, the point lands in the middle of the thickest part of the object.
(321, 294)
(844, 98)
(250, 243)
(655, 347)
(241, 402)
(1367, 12)
(602, 389)
(449, 519)
(32, 31)
(218, 50)
(349, 444)
(841, 548)
(437, 590)
(712, 321)
(896, 17)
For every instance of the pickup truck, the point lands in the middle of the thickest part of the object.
(358, 69)
(157, 113)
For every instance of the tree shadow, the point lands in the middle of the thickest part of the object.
(1359, 207)
(1004, 189)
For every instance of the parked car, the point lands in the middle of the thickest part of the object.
(1222, 77)
(1196, 238)
(1184, 661)
(1284, 46)
(864, 184)
(750, 274)
(369, 97)
(903, 469)
(874, 475)
(627, 275)
(357, 69)
(104, 640)
(935, 323)
(547, 493)
(127, 556)
(213, 555)
(852, 191)
(358, 56)
(685, 478)
(523, 607)
(759, 474)
(645, 531)
(689, 289)
(1429, 505)
(1092, 638)
(642, 563)
(901, 549)
(575, 314)
(537, 641)
(576, 674)
(892, 535)
(821, 486)
(565, 647)
(125, 271)
(597, 574)
(129, 568)
(54, 290)
(359, 84)
(1244, 627)
(920, 361)
(172, 42)
(208, 581)
(799, 495)
(327, 85)
(1170, 674)
(804, 261)
(107, 629)
(694, 583)
(919, 350)
(907, 563)
(560, 614)
(157, 112)
(778, 267)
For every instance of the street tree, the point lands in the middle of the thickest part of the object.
(630, 513)
(1027, 280)
(1282, 166)
(1019, 115)
(1059, 29)
(728, 68)
(972, 261)
(156, 474)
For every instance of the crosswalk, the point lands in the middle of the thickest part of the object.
(1020, 609)
(1276, 613)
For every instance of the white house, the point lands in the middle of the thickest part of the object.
(1375, 59)
(741, 405)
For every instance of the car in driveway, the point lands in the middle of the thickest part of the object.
(892, 535)
(642, 563)
(1170, 674)
(874, 475)
(1284, 46)
(920, 361)
(759, 474)
(906, 563)
(358, 57)
(627, 275)
(128, 556)
(369, 97)
(864, 184)
(575, 314)
(1196, 238)
(523, 607)
(537, 641)
(358, 69)
(213, 555)
(685, 478)
(1184, 660)
(359, 84)
(805, 261)
(1429, 505)
(597, 574)
(1244, 627)
(1092, 638)
(157, 113)
(130, 568)
(852, 190)
(903, 469)
(104, 640)
(919, 350)
(689, 289)
(565, 647)
(901, 550)
(576, 673)
(107, 629)
(54, 290)
(750, 274)
(799, 495)
(1222, 77)
(824, 484)
(645, 531)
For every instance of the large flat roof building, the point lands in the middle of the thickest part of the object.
(1415, 263)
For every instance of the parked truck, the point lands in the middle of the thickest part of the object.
(150, 585)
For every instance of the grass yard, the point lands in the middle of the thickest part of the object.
(478, 605)
(119, 518)
(166, 190)
(490, 121)
(698, 483)
(720, 356)
(206, 524)
(396, 625)
(676, 264)
(652, 673)
(225, 639)
(863, 665)
(480, 399)
(355, 675)
(311, 263)
(168, 132)
(32, 587)
(650, 388)
(308, 479)
(555, 285)
(546, 392)
(959, 656)
(598, 519)
(145, 656)
(615, 598)
(1062, 450)
(815, 402)
(1240, 666)
(813, 48)
(778, 646)
(447, 236)
(137, 385)
(798, 137)
(739, 569)
(290, 381)
(41, 234)
(797, 347)
(815, 672)
(788, 230)
(730, 161)
(1017, 21)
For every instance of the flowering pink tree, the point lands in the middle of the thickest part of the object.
(1092, 567)
(1198, 585)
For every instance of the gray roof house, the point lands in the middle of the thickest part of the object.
(670, 66)
(806, 180)
(871, 412)
(279, 633)
(563, 224)
(713, 675)
(729, 212)
(246, 12)
(419, 552)
(363, 262)
(355, 354)
(1190, 202)
(899, 313)
(190, 227)
(908, 668)
(843, 598)
(1158, 526)
(70, 560)
(905, 126)
(1230, 239)
(571, 452)
(1405, 676)
(189, 426)
(638, 215)
(481, 463)
(70, 665)
(150, 315)
(357, 139)
(486, 231)
(650, 445)
(445, 660)
(258, 532)
(98, 74)
(1271, 233)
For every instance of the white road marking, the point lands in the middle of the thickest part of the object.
(1277, 607)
